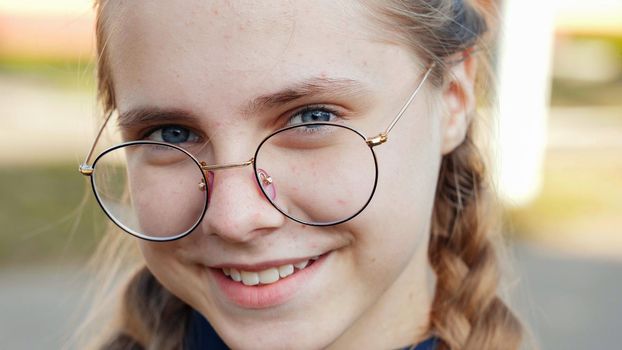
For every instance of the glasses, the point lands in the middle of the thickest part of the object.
(315, 173)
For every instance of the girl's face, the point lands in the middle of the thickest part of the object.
(205, 64)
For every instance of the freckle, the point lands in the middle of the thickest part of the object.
(215, 12)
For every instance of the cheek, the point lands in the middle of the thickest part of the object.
(162, 259)
(397, 221)
(409, 169)
(167, 200)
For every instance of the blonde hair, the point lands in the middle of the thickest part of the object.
(467, 312)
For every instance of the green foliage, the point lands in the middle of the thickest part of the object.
(63, 72)
(569, 93)
(47, 213)
(577, 93)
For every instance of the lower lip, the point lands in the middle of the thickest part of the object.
(266, 295)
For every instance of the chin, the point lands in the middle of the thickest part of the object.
(301, 334)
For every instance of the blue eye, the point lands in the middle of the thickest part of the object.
(311, 115)
(174, 134)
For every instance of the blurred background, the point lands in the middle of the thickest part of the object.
(558, 159)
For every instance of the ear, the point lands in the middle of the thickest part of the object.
(459, 100)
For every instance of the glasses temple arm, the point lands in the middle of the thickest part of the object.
(85, 168)
(410, 99)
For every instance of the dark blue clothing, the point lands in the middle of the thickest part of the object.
(201, 335)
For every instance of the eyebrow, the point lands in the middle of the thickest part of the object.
(312, 87)
(150, 115)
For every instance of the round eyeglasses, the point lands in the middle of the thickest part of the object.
(318, 174)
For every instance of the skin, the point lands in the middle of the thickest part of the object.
(209, 59)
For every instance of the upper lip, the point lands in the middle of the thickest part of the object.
(263, 265)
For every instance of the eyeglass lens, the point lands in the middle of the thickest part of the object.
(150, 190)
(321, 173)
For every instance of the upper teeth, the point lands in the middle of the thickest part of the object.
(267, 276)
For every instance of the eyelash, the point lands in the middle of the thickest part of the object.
(304, 109)
(144, 134)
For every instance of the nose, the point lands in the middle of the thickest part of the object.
(237, 210)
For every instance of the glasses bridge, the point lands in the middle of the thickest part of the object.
(207, 167)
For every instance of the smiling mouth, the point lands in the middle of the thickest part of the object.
(267, 276)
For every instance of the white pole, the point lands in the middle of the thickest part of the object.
(524, 84)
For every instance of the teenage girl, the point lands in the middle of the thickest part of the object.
(299, 174)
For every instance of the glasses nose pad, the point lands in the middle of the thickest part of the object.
(267, 183)
(209, 186)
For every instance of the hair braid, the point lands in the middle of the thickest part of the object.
(466, 311)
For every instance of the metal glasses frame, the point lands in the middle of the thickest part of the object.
(87, 170)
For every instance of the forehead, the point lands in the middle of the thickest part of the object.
(204, 53)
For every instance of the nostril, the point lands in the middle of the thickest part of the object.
(267, 183)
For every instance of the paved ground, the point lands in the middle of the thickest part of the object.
(36, 306)
(570, 303)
